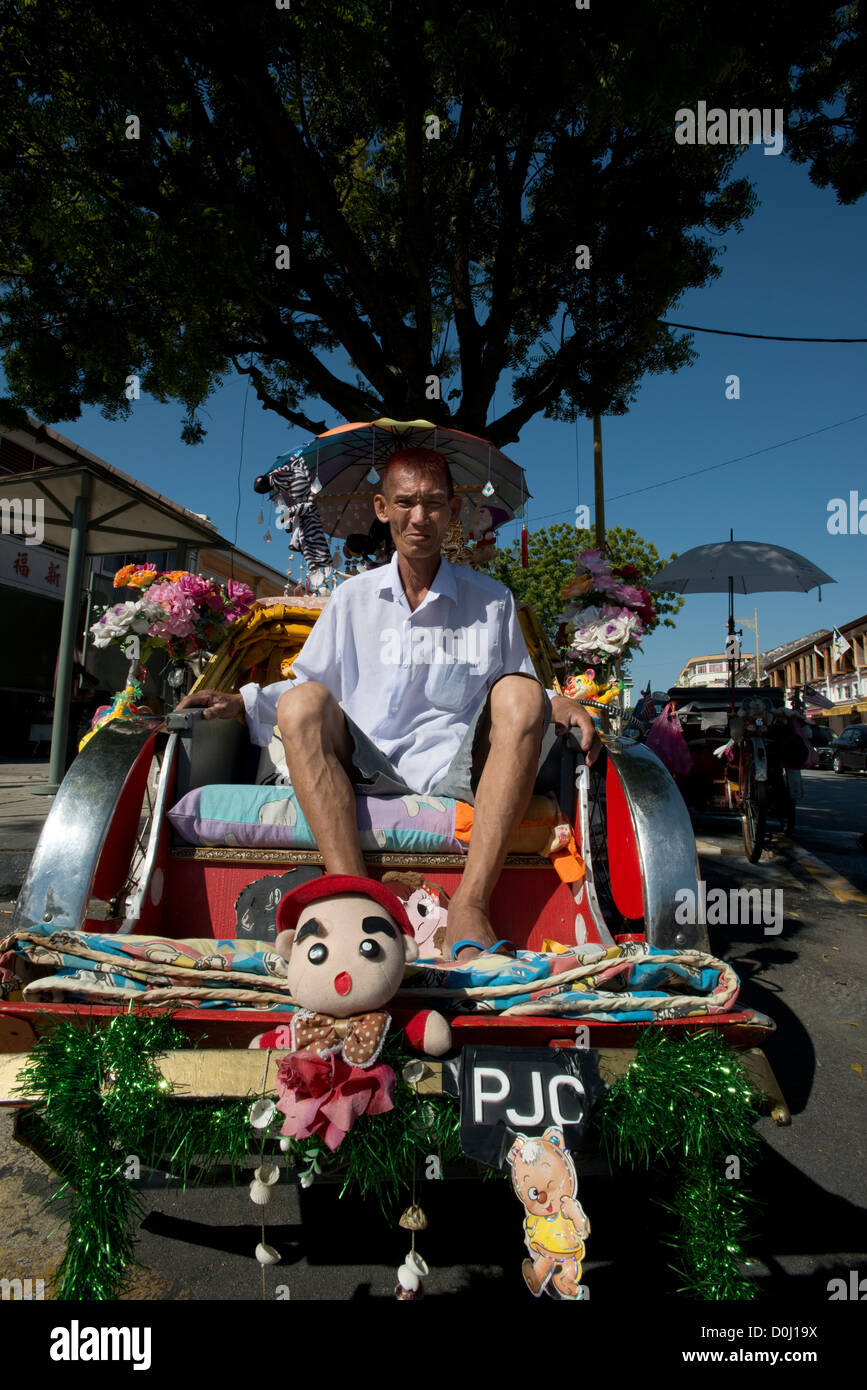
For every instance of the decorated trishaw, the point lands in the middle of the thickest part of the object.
(148, 1003)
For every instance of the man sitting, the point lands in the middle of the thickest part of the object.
(415, 678)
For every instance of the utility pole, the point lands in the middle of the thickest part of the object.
(754, 624)
(598, 483)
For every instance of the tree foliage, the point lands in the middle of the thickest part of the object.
(829, 108)
(552, 552)
(149, 246)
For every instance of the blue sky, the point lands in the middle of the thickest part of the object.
(798, 268)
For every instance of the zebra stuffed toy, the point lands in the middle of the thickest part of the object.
(289, 483)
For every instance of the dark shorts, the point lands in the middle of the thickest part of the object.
(378, 777)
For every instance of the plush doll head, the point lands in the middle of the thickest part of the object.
(427, 907)
(485, 518)
(346, 941)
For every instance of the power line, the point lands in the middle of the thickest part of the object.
(741, 457)
(766, 337)
(713, 466)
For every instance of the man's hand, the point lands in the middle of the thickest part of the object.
(217, 704)
(569, 714)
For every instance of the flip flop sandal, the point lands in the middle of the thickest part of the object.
(496, 949)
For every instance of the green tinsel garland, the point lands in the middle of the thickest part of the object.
(381, 1153)
(687, 1101)
(102, 1100)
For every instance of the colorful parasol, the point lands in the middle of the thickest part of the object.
(344, 464)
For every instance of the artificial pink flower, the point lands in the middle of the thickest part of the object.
(180, 611)
(198, 589)
(594, 561)
(325, 1095)
(625, 593)
(240, 597)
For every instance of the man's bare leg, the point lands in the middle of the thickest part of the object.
(517, 707)
(319, 757)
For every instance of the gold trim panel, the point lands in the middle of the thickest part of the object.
(305, 856)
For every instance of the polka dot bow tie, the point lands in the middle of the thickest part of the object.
(358, 1038)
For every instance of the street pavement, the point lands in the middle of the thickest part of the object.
(810, 1226)
(830, 820)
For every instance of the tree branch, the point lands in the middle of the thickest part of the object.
(296, 417)
(466, 324)
(282, 146)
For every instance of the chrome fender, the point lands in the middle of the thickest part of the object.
(664, 842)
(60, 881)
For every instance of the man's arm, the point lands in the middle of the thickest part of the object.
(567, 714)
(317, 661)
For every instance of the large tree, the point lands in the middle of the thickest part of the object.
(429, 178)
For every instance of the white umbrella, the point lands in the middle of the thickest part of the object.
(743, 567)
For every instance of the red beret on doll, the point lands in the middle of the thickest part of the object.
(346, 941)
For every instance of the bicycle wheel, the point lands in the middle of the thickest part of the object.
(754, 806)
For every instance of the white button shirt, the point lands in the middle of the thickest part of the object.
(411, 680)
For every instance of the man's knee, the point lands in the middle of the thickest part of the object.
(308, 705)
(518, 705)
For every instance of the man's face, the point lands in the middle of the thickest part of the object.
(415, 504)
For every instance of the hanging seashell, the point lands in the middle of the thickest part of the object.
(267, 1255)
(372, 476)
(268, 1174)
(315, 486)
(259, 1193)
(488, 490)
(262, 1113)
(413, 1219)
(415, 1262)
(408, 1279)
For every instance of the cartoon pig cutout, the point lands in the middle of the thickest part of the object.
(555, 1225)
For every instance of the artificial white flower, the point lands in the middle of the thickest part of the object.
(115, 623)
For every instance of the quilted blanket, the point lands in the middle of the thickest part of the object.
(590, 982)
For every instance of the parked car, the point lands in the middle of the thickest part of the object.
(849, 749)
(822, 739)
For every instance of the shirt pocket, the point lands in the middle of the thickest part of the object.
(454, 684)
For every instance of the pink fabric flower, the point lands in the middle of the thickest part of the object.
(325, 1095)
(593, 560)
(624, 593)
(179, 620)
(198, 589)
(240, 599)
